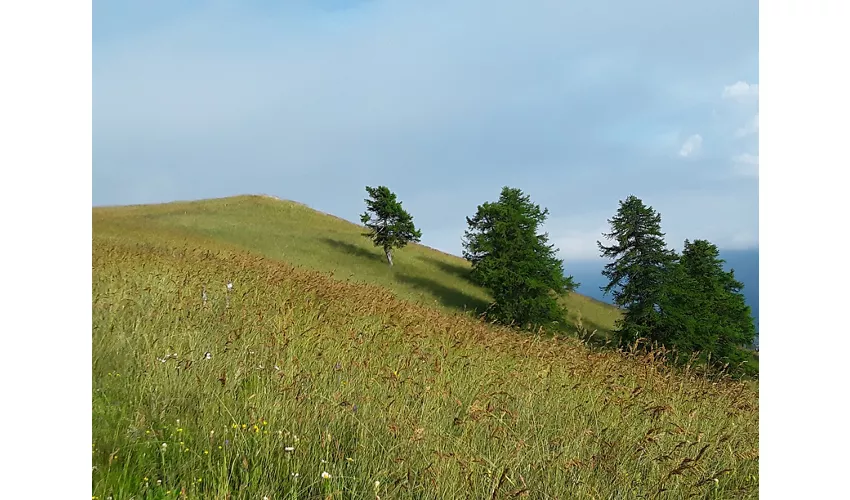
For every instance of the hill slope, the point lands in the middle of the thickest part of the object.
(294, 233)
(292, 384)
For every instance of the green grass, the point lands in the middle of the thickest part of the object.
(294, 233)
(367, 373)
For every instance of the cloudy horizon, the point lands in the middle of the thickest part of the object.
(578, 105)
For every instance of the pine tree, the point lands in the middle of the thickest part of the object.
(703, 308)
(516, 263)
(638, 272)
(390, 226)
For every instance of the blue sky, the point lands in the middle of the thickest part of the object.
(580, 104)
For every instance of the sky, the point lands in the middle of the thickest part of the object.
(579, 104)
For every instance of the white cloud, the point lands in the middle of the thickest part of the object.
(752, 127)
(691, 146)
(747, 164)
(741, 91)
(578, 245)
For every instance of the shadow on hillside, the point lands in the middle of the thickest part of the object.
(601, 338)
(462, 272)
(447, 296)
(349, 248)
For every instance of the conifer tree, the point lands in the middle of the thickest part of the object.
(516, 263)
(390, 226)
(637, 274)
(703, 308)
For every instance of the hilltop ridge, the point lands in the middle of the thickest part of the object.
(296, 233)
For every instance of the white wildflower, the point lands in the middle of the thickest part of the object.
(207, 355)
(230, 285)
(326, 475)
(289, 448)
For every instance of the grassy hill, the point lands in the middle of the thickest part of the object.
(342, 366)
(294, 233)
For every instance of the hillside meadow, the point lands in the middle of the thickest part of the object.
(322, 373)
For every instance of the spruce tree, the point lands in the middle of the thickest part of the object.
(703, 308)
(390, 226)
(637, 274)
(516, 263)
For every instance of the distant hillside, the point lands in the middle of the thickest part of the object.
(294, 233)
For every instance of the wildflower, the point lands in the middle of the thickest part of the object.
(146, 479)
(265, 498)
(200, 480)
(159, 482)
(179, 429)
(289, 448)
(235, 426)
(324, 461)
(164, 446)
(326, 475)
(295, 474)
(206, 452)
(265, 423)
(377, 484)
(147, 431)
(276, 367)
(230, 285)
(207, 355)
(219, 447)
(244, 426)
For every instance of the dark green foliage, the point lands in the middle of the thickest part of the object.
(516, 263)
(703, 308)
(638, 272)
(390, 226)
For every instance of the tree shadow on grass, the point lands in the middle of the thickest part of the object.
(449, 297)
(460, 271)
(351, 249)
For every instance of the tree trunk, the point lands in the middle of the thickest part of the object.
(389, 253)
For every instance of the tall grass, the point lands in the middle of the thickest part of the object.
(294, 384)
(291, 232)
